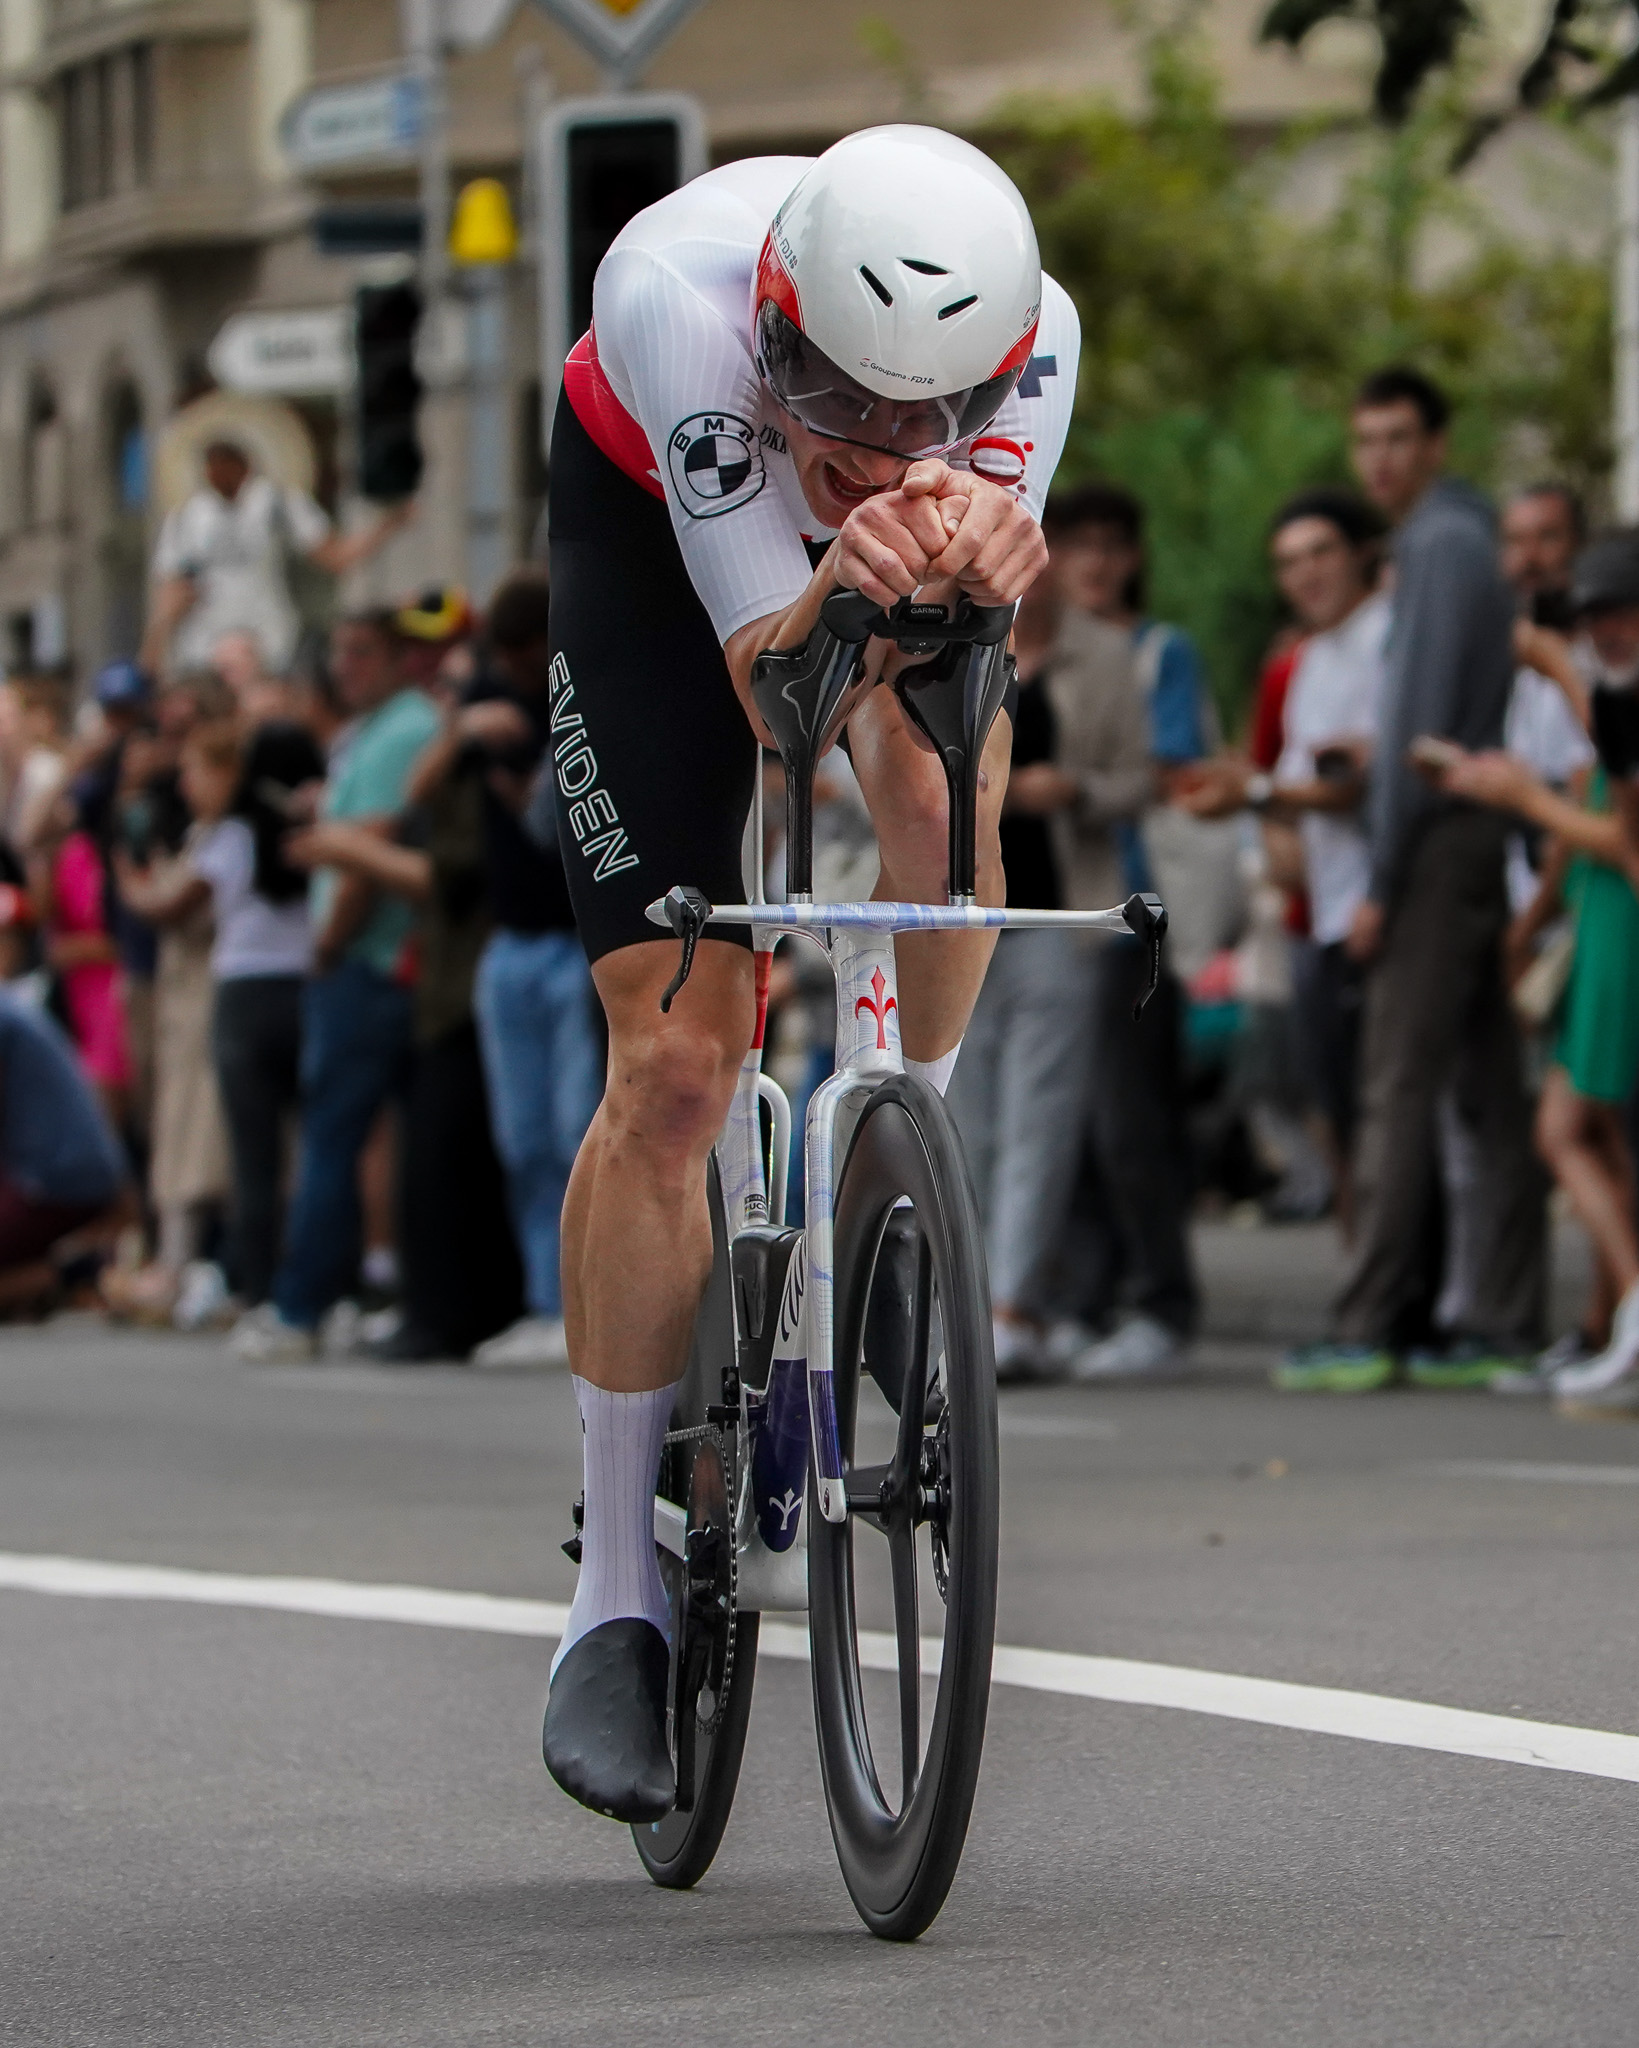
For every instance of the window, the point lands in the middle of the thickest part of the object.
(106, 126)
(127, 450)
(44, 468)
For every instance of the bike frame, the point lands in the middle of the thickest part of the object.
(858, 942)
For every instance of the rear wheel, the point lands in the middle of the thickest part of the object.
(901, 1759)
(714, 1648)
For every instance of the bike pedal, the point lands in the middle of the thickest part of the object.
(572, 1549)
(723, 1414)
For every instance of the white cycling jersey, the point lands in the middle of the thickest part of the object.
(666, 385)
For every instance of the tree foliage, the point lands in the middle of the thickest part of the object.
(1586, 54)
(1221, 338)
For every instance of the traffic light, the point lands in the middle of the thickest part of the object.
(385, 319)
(600, 161)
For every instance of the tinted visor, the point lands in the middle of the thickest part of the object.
(828, 401)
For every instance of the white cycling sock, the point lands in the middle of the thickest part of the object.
(623, 1435)
(937, 1072)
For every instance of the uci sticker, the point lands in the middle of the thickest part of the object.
(715, 462)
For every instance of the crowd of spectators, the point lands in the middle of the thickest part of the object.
(281, 927)
(1403, 963)
(297, 1035)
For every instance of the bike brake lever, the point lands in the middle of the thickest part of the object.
(1146, 917)
(687, 912)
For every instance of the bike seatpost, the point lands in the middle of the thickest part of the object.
(805, 695)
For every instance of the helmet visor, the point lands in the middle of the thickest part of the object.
(829, 402)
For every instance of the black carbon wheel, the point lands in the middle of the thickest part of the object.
(920, 1540)
(710, 1691)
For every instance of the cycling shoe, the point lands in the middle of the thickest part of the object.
(604, 1738)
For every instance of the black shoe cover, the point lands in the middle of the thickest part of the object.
(604, 1739)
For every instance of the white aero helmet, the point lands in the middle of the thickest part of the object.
(898, 291)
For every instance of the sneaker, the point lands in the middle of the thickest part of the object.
(203, 1299)
(1619, 1361)
(1465, 1362)
(263, 1337)
(1536, 1380)
(1062, 1344)
(341, 1329)
(1018, 1351)
(380, 1324)
(1142, 1349)
(407, 1343)
(1334, 1369)
(536, 1341)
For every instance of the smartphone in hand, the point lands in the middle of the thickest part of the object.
(1432, 756)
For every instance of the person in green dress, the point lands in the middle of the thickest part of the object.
(1581, 1123)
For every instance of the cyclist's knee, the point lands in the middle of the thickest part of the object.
(671, 1076)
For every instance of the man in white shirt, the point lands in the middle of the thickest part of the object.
(220, 566)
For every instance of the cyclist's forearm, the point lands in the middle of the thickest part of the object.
(787, 628)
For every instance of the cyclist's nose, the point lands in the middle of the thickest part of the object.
(876, 467)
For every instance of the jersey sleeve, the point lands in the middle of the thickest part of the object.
(308, 521)
(1022, 445)
(695, 392)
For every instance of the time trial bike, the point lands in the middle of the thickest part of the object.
(766, 1501)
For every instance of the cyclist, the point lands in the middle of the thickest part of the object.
(801, 375)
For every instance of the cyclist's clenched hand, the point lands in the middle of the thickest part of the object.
(888, 542)
(995, 550)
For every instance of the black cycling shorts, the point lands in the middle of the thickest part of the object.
(653, 758)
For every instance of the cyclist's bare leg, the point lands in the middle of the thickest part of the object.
(904, 786)
(636, 1235)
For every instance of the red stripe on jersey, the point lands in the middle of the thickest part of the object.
(600, 412)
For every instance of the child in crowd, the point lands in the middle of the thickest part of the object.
(188, 1170)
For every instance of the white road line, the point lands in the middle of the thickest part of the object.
(1553, 1475)
(1274, 1703)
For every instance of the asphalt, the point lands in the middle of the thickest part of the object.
(222, 1827)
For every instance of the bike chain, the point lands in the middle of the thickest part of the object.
(703, 1432)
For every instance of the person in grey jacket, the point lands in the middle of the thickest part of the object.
(1431, 929)
(1081, 764)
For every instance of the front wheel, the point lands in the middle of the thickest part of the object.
(920, 1540)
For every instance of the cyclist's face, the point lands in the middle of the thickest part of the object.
(1321, 577)
(835, 475)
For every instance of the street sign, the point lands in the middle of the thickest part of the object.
(349, 124)
(621, 34)
(283, 354)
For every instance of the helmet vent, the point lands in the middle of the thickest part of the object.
(958, 305)
(927, 269)
(876, 285)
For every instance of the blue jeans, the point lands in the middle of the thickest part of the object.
(356, 1053)
(532, 999)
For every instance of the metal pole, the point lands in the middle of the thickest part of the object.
(488, 465)
(423, 29)
(1626, 311)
